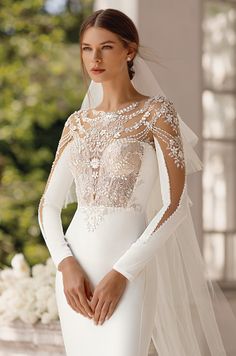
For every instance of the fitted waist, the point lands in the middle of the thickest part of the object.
(106, 209)
(99, 217)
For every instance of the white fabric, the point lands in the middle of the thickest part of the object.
(186, 322)
(128, 332)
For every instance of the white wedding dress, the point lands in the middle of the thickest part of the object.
(117, 164)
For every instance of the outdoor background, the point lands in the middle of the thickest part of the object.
(40, 86)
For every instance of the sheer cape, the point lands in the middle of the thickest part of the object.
(189, 306)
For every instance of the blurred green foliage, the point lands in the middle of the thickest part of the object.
(41, 85)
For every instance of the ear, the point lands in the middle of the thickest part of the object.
(132, 50)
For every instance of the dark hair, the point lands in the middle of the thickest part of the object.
(117, 22)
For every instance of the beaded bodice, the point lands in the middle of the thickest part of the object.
(109, 154)
(106, 155)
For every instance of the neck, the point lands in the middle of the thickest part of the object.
(118, 92)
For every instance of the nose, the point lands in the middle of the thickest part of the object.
(97, 57)
(97, 60)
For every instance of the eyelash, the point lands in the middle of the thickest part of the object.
(110, 47)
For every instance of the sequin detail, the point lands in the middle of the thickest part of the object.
(106, 154)
(106, 172)
(116, 138)
(173, 141)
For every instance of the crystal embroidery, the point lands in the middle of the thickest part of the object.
(99, 184)
(165, 125)
(106, 153)
(116, 138)
(119, 111)
(98, 140)
(174, 142)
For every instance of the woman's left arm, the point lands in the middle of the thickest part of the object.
(164, 125)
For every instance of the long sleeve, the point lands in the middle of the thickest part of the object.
(51, 202)
(164, 125)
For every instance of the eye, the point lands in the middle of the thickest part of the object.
(107, 46)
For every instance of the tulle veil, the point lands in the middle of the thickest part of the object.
(192, 317)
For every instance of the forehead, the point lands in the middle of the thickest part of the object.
(98, 35)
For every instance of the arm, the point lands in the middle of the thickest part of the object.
(164, 125)
(51, 202)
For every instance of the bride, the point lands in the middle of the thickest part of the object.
(129, 268)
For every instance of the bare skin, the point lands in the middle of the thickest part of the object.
(118, 92)
(77, 287)
(98, 304)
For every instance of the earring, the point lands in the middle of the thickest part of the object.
(128, 58)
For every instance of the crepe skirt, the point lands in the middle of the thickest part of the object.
(128, 331)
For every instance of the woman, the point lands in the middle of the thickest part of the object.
(129, 260)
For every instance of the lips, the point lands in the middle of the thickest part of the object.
(97, 70)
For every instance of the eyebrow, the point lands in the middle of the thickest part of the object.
(100, 43)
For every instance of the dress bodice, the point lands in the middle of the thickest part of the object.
(109, 154)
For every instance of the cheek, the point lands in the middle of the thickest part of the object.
(115, 63)
(87, 64)
(85, 59)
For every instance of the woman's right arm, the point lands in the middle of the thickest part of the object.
(52, 200)
(77, 287)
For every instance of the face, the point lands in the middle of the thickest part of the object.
(102, 49)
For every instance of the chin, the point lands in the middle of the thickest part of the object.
(97, 80)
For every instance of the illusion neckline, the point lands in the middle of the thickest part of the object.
(146, 100)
